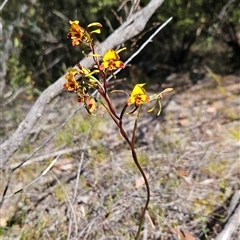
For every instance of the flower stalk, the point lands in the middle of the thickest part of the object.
(84, 82)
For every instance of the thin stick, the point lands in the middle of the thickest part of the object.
(3, 4)
(71, 205)
(77, 180)
(40, 147)
(142, 47)
(36, 179)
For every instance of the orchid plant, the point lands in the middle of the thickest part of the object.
(85, 82)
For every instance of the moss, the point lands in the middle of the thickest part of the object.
(75, 127)
(33, 233)
(98, 153)
(215, 168)
(59, 193)
(235, 133)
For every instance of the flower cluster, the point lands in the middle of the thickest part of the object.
(138, 95)
(111, 60)
(84, 81)
(79, 35)
(81, 81)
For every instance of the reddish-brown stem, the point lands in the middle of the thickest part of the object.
(118, 121)
(103, 75)
(104, 94)
(134, 155)
(108, 100)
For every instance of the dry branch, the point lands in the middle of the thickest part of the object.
(45, 156)
(126, 31)
(233, 219)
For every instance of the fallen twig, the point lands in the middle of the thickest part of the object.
(232, 221)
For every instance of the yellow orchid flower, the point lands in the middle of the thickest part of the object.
(85, 71)
(71, 84)
(79, 35)
(95, 24)
(111, 60)
(138, 95)
(90, 105)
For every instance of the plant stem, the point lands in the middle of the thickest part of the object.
(134, 155)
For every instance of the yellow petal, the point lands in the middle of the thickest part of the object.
(96, 31)
(104, 65)
(121, 49)
(74, 22)
(138, 95)
(72, 71)
(90, 105)
(94, 24)
(119, 64)
(110, 55)
(141, 99)
(138, 89)
(131, 100)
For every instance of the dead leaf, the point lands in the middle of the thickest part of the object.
(183, 121)
(150, 220)
(211, 110)
(139, 182)
(183, 234)
(207, 181)
(185, 176)
(188, 180)
(65, 164)
(182, 173)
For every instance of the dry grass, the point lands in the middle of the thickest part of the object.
(190, 153)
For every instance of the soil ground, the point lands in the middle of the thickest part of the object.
(94, 191)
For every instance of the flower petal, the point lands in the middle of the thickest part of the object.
(110, 55)
(98, 31)
(74, 22)
(104, 65)
(138, 95)
(94, 24)
(138, 89)
(121, 49)
(90, 105)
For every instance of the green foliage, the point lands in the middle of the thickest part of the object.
(20, 76)
(34, 233)
(42, 51)
(235, 133)
(59, 193)
(1, 231)
(194, 23)
(40, 29)
(77, 125)
(214, 167)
